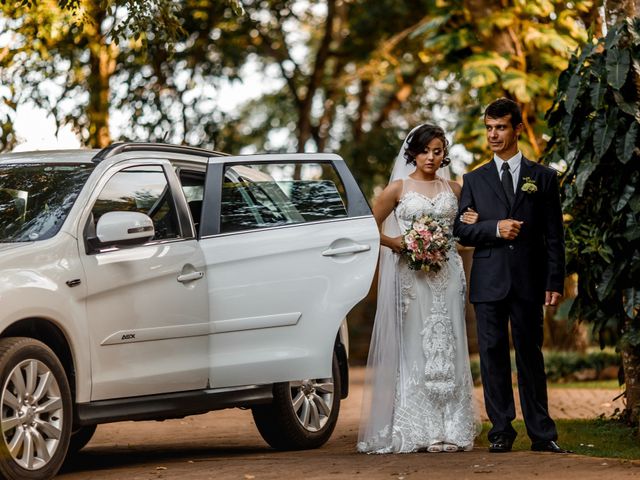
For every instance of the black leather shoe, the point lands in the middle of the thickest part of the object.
(548, 446)
(501, 444)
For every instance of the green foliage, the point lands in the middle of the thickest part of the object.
(561, 366)
(564, 366)
(595, 135)
(70, 68)
(158, 19)
(351, 77)
(493, 49)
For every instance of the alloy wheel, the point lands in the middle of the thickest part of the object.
(312, 401)
(32, 414)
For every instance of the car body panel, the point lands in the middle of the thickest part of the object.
(278, 288)
(33, 285)
(313, 291)
(264, 306)
(142, 319)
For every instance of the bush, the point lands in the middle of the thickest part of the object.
(569, 366)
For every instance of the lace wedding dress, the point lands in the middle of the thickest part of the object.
(429, 397)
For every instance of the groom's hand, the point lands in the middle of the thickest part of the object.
(551, 299)
(509, 228)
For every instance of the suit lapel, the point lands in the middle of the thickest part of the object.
(490, 175)
(526, 170)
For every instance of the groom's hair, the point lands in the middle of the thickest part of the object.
(501, 108)
(420, 138)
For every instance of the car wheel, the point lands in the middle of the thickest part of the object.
(79, 438)
(36, 410)
(303, 413)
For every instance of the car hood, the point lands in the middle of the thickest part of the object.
(12, 246)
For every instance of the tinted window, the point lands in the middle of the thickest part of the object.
(35, 199)
(140, 189)
(193, 189)
(267, 195)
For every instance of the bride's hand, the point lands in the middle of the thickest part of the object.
(469, 217)
(395, 244)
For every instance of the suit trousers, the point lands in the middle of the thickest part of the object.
(526, 320)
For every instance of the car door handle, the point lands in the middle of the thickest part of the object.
(190, 277)
(355, 248)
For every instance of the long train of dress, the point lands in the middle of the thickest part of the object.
(433, 388)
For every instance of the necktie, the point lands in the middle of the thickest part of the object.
(507, 182)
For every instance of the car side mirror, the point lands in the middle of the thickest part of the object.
(122, 228)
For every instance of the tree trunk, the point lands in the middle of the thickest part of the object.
(315, 79)
(616, 10)
(631, 368)
(102, 65)
(561, 334)
(508, 41)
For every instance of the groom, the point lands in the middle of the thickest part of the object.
(518, 265)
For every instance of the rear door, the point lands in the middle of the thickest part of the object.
(290, 247)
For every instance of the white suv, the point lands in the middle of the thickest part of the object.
(149, 281)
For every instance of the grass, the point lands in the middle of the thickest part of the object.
(595, 438)
(607, 384)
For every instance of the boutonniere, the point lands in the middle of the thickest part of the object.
(529, 185)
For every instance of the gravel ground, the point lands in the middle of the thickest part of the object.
(226, 445)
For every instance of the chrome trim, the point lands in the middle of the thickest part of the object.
(348, 250)
(121, 147)
(200, 329)
(152, 243)
(157, 333)
(277, 158)
(289, 225)
(254, 323)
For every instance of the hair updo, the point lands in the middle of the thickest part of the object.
(420, 138)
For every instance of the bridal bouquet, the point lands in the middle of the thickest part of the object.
(426, 244)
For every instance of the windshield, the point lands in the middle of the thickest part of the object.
(35, 199)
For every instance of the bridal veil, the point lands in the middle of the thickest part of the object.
(384, 368)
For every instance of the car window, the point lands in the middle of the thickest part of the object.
(266, 195)
(35, 199)
(140, 189)
(193, 189)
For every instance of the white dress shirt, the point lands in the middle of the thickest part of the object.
(514, 167)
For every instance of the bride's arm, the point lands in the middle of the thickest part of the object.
(470, 216)
(383, 207)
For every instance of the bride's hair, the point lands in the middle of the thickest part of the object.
(420, 138)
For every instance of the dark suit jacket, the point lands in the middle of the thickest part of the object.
(534, 261)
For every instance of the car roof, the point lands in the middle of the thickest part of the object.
(133, 149)
(46, 156)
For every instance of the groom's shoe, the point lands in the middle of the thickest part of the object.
(501, 444)
(548, 446)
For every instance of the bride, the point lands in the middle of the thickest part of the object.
(418, 387)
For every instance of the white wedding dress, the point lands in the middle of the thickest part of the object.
(419, 390)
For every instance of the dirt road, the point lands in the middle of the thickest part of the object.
(226, 445)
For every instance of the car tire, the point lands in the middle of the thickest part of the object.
(36, 410)
(303, 414)
(79, 438)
